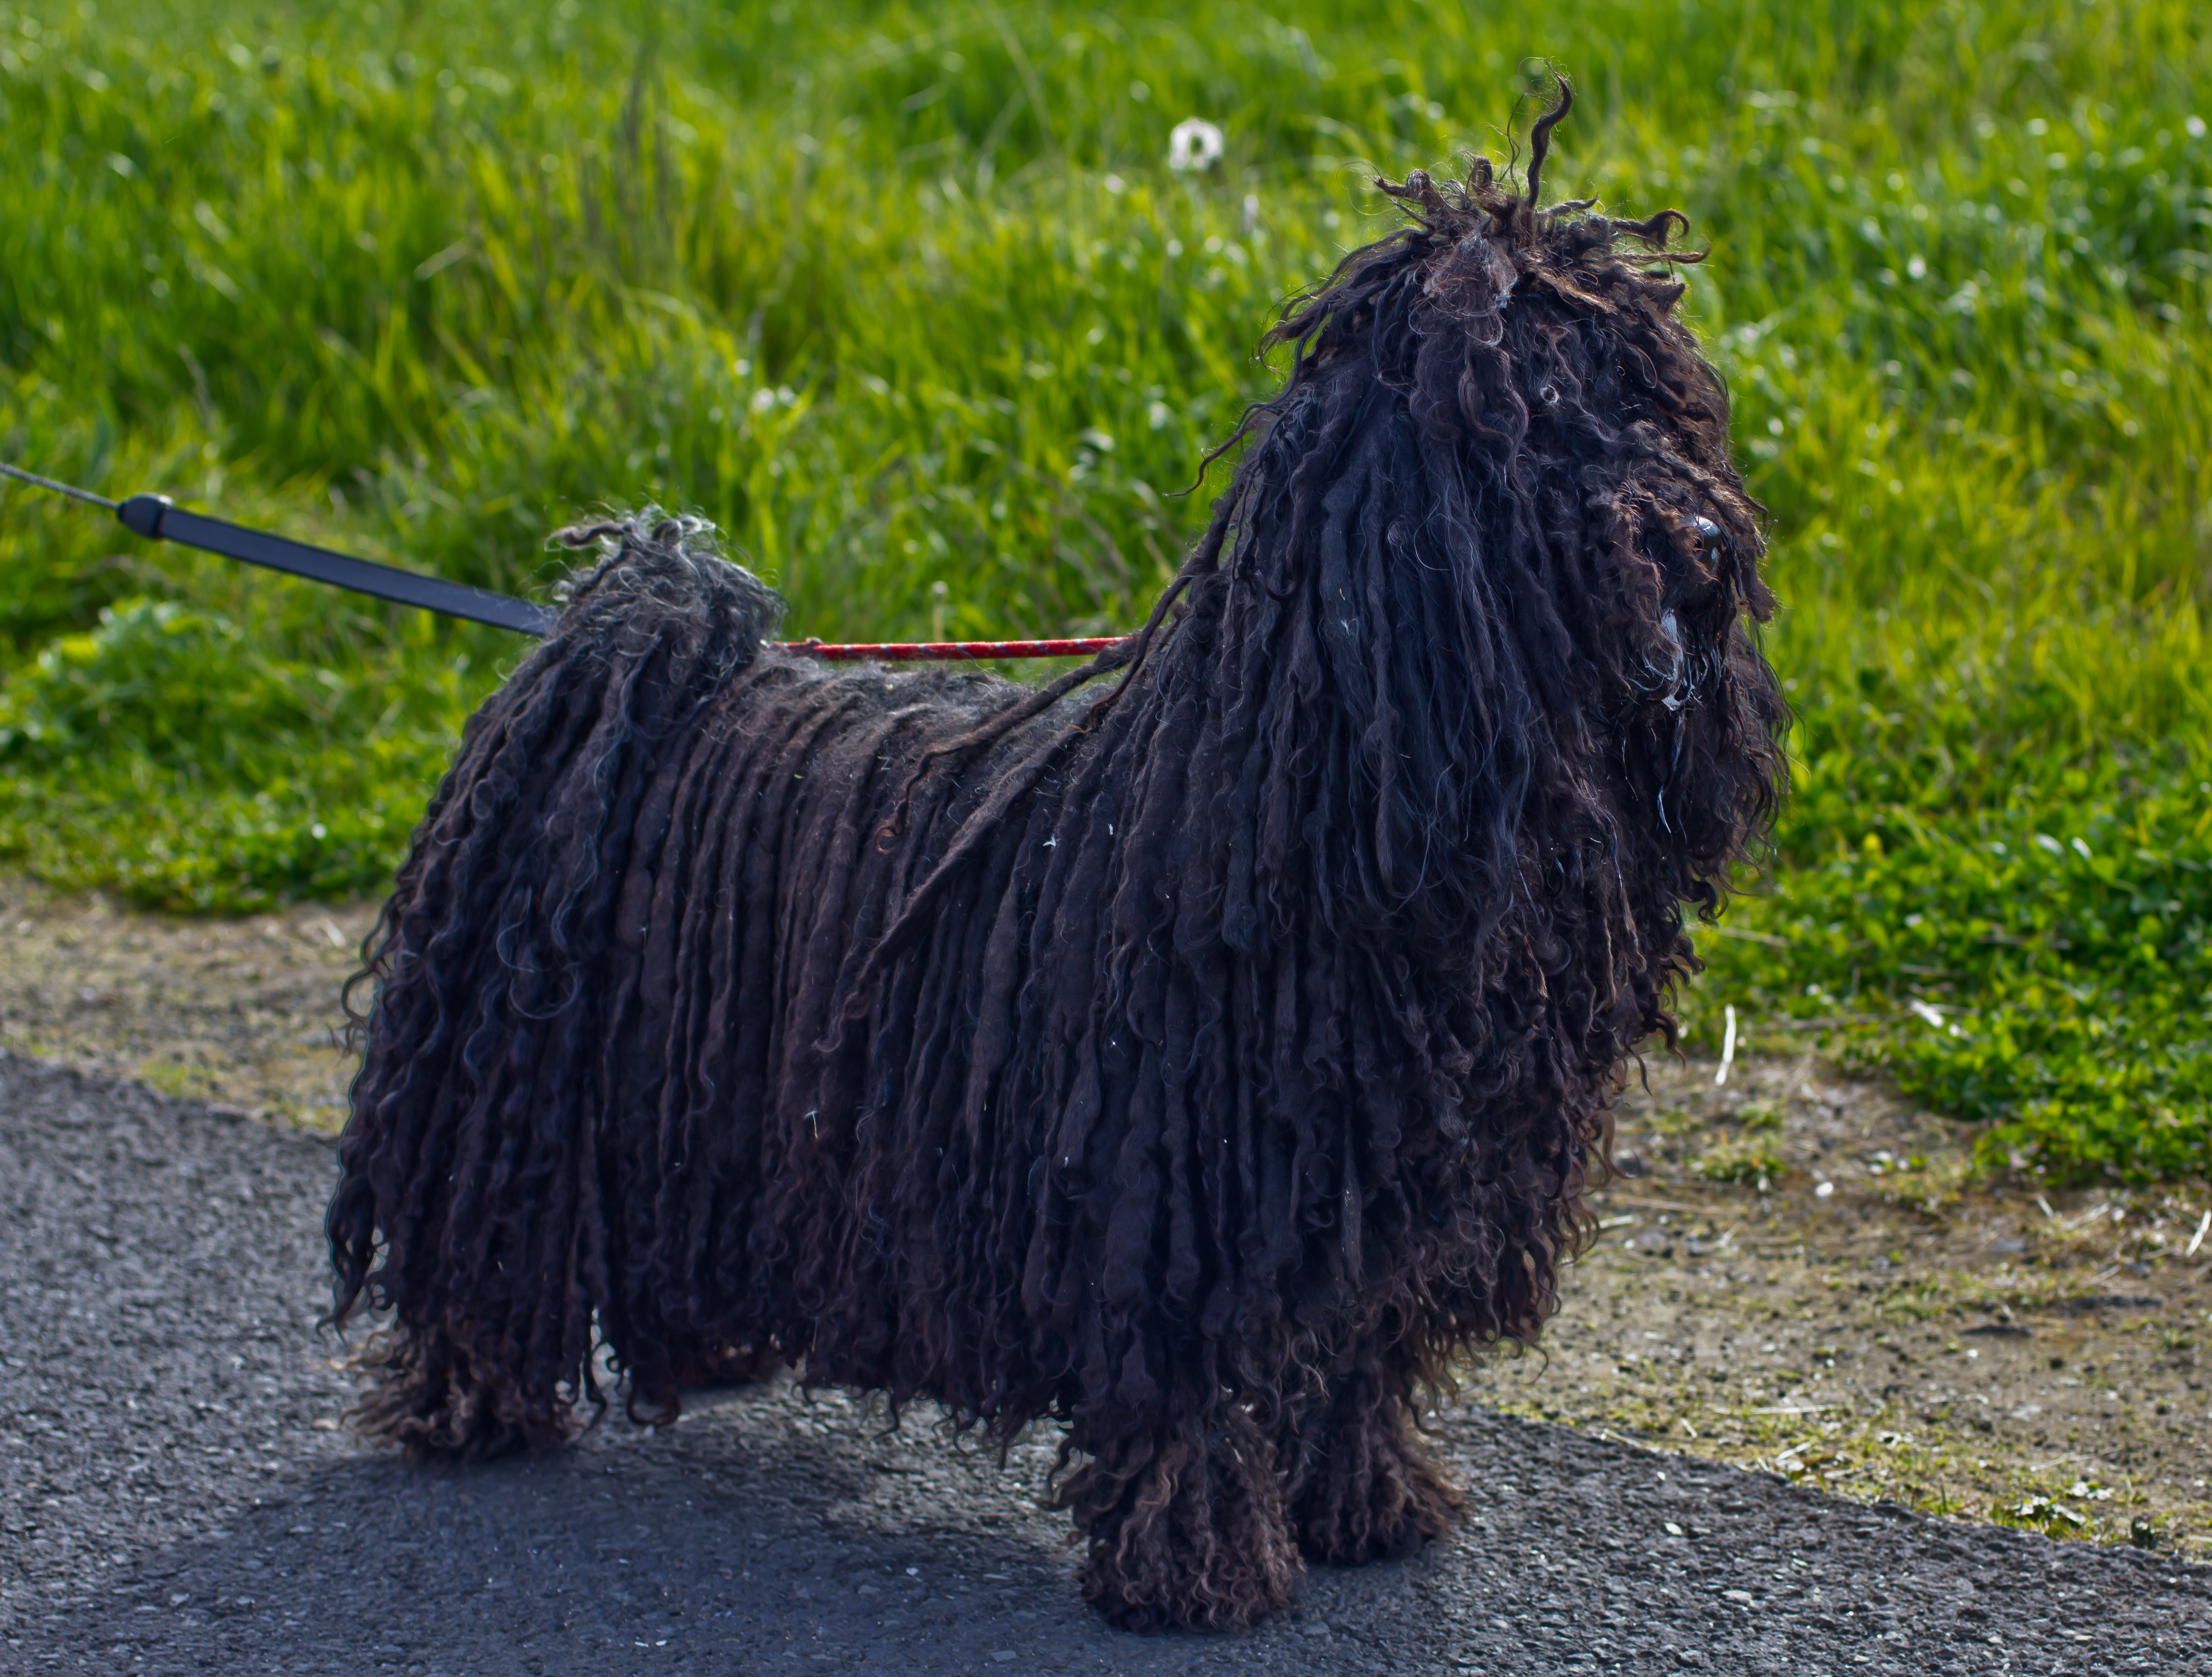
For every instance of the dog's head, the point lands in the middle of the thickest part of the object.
(1508, 397)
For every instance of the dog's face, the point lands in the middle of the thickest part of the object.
(1698, 580)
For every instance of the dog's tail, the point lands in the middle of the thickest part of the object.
(466, 1204)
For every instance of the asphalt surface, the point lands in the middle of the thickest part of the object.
(175, 1496)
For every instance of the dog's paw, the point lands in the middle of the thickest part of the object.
(1227, 1580)
(430, 1398)
(1381, 1507)
(1190, 1533)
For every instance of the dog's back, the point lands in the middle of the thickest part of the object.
(733, 1006)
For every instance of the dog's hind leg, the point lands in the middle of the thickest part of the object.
(1358, 1483)
(1185, 1523)
(435, 1402)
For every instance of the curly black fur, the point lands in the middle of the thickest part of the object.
(1202, 1061)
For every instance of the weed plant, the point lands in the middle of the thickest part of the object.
(902, 295)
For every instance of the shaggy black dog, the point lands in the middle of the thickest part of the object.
(1203, 1058)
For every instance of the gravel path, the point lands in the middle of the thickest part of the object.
(175, 1497)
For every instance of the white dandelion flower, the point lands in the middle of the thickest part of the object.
(1196, 144)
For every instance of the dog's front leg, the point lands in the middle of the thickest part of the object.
(1357, 1482)
(1185, 1521)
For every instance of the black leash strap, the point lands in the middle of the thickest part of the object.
(156, 518)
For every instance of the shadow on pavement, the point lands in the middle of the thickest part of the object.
(177, 1498)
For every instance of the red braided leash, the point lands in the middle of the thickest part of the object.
(902, 652)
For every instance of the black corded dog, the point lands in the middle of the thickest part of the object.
(1201, 1061)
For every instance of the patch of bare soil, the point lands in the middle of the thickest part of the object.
(241, 1014)
(1973, 1350)
(1804, 1280)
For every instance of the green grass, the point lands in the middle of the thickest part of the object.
(902, 296)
